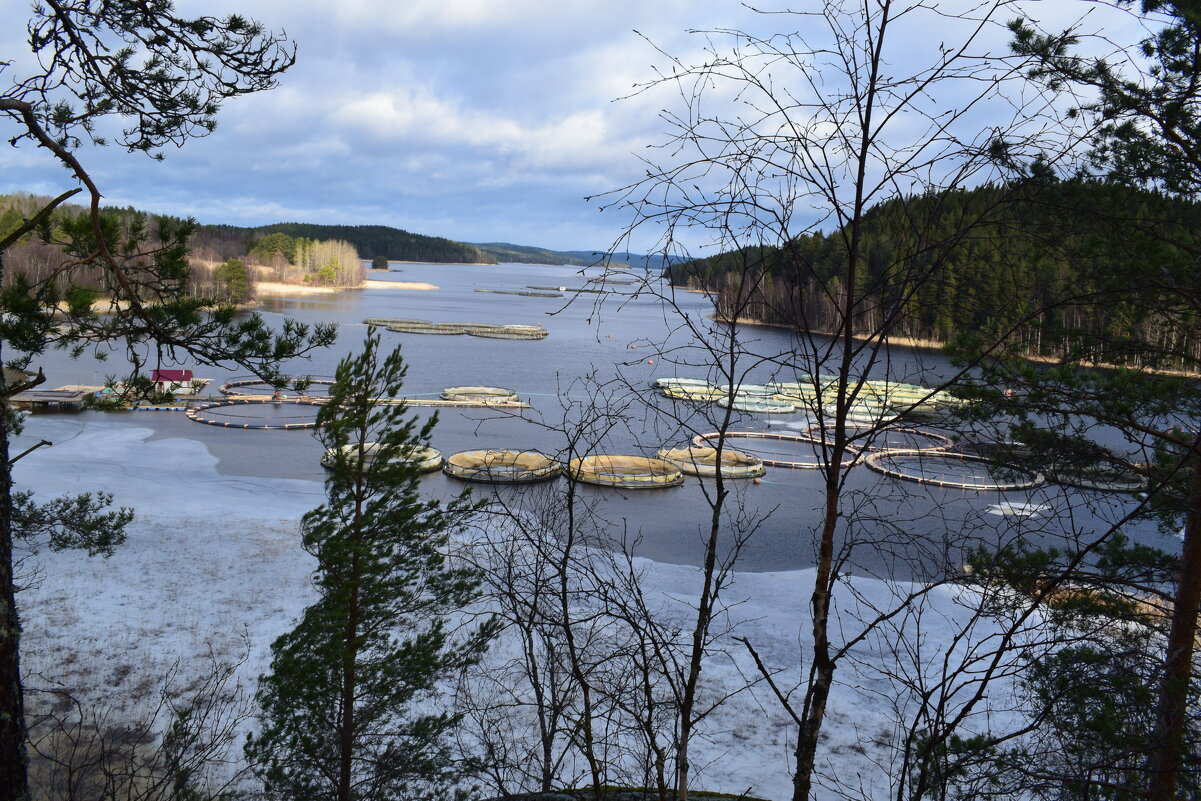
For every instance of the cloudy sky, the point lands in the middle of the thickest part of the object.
(477, 120)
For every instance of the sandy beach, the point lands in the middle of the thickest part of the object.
(415, 285)
(272, 289)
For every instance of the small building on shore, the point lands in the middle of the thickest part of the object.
(177, 382)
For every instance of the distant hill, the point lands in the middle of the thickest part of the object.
(372, 241)
(505, 251)
(648, 262)
(526, 254)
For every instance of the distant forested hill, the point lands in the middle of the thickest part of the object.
(371, 241)
(504, 251)
(525, 254)
(986, 260)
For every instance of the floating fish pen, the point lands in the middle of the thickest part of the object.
(625, 472)
(502, 466)
(448, 329)
(384, 322)
(777, 449)
(901, 438)
(669, 381)
(523, 293)
(691, 392)
(425, 459)
(511, 332)
(264, 414)
(702, 460)
(256, 387)
(864, 414)
(570, 289)
(482, 395)
(488, 330)
(756, 405)
(1099, 478)
(954, 470)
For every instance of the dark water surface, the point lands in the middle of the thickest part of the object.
(910, 530)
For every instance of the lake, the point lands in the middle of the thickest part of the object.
(593, 375)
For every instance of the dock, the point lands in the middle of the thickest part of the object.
(62, 398)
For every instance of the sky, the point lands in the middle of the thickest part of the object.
(475, 120)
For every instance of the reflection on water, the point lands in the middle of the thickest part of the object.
(589, 381)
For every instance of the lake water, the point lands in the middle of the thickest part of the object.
(602, 353)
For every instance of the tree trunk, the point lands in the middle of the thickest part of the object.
(14, 781)
(1178, 668)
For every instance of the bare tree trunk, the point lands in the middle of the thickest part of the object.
(1178, 668)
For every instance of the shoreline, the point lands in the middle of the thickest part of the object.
(905, 342)
(274, 289)
(935, 345)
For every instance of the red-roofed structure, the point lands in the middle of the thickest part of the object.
(179, 381)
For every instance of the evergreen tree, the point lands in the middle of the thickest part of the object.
(139, 71)
(350, 707)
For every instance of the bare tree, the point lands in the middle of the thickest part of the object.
(781, 134)
(185, 745)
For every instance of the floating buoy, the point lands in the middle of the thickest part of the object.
(650, 361)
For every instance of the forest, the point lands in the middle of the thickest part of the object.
(1028, 267)
(371, 241)
(220, 266)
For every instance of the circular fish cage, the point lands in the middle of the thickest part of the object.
(1099, 478)
(270, 415)
(480, 394)
(387, 321)
(693, 392)
(488, 330)
(510, 332)
(756, 405)
(425, 459)
(502, 466)
(626, 472)
(755, 391)
(777, 449)
(954, 470)
(254, 387)
(415, 327)
(902, 438)
(670, 381)
(699, 460)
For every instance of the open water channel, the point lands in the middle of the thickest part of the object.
(601, 356)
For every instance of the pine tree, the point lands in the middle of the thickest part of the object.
(350, 707)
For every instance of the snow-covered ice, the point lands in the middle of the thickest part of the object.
(214, 558)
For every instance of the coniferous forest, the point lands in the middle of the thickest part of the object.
(992, 260)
